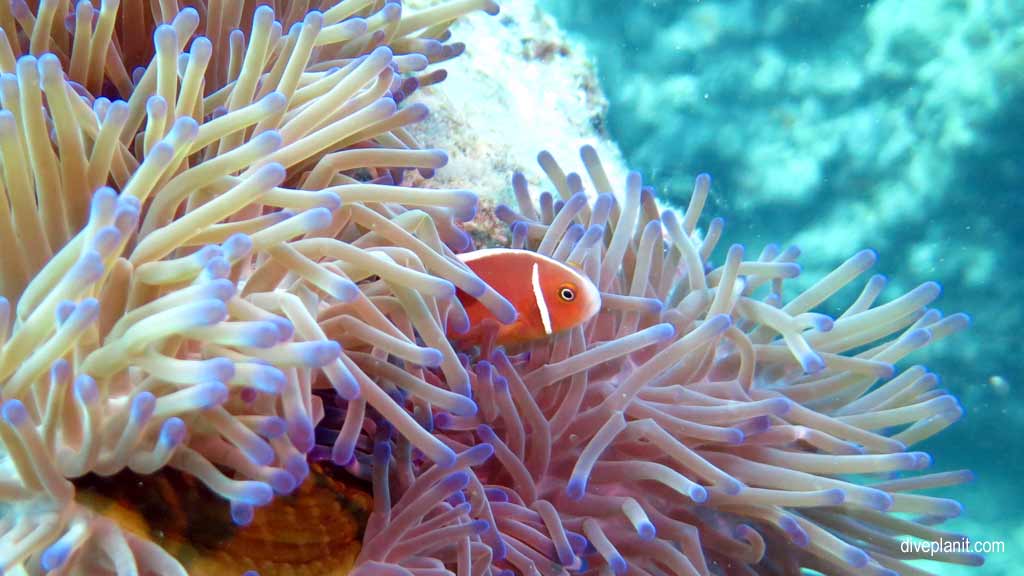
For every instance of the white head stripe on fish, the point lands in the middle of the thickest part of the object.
(542, 305)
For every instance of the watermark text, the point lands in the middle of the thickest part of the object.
(943, 546)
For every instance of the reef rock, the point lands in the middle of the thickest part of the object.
(520, 87)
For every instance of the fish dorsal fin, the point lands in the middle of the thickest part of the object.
(467, 257)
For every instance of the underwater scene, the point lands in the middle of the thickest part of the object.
(510, 288)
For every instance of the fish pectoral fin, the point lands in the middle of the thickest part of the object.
(486, 328)
(483, 335)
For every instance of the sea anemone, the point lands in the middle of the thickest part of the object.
(176, 256)
(703, 423)
(222, 273)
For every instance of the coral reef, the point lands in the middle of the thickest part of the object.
(224, 278)
(501, 103)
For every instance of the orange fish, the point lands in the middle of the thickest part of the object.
(549, 296)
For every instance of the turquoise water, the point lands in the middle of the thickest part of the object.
(895, 125)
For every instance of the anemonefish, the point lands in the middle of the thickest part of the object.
(549, 296)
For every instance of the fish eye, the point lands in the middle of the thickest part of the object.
(567, 293)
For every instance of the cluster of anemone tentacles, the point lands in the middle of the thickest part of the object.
(218, 267)
(203, 202)
(700, 424)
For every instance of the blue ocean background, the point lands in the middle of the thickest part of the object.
(836, 125)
